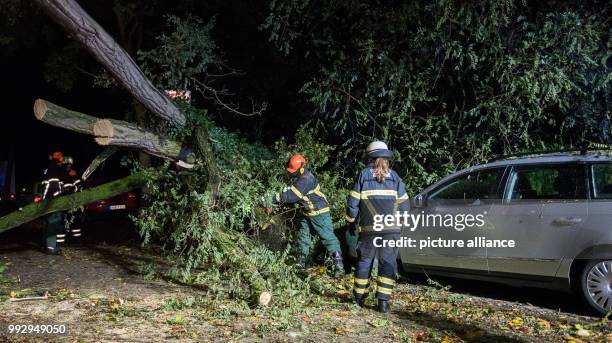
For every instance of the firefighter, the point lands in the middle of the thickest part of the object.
(52, 186)
(378, 191)
(72, 185)
(305, 190)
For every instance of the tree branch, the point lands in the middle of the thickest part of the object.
(229, 107)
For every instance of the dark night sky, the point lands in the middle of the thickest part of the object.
(33, 141)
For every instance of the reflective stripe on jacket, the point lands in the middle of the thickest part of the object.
(306, 191)
(53, 180)
(370, 198)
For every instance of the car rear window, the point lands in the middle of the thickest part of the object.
(602, 181)
(547, 182)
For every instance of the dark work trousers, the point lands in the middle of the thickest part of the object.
(54, 232)
(387, 265)
(74, 231)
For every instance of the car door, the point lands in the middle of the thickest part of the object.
(596, 230)
(543, 208)
(469, 194)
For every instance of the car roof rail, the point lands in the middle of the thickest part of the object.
(591, 146)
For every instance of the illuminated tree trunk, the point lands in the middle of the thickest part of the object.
(67, 202)
(112, 132)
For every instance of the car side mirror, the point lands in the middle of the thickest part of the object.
(420, 201)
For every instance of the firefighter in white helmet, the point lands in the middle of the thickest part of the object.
(378, 191)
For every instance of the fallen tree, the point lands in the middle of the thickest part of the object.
(197, 196)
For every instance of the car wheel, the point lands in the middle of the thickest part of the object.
(596, 285)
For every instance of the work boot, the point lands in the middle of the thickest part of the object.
(301, 262)
(383, 306)
(52, 251)
(339, 265)
(360, 300)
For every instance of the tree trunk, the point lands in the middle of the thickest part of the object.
(111, 131)
(257, 284)
(64, 118)
(78, 24)
(67, 202)
(140, 117)
(121, 133)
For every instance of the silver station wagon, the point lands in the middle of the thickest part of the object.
(557, 208)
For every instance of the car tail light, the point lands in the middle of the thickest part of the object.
(131, 195)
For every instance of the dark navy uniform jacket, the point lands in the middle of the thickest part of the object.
(306, 191)
(370, 198)
(53, 179)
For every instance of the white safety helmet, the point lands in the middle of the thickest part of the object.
(379, 149)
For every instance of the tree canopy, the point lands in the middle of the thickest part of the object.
(448, 83)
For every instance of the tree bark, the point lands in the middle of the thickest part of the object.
(67, 202)
(257, 284)
(64, 118)
(106, 153)
(111, 131)
(121, 133)
(78, 24)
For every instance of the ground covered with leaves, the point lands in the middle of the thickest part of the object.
(101, 293)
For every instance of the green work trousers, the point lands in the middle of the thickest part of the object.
(323, 226)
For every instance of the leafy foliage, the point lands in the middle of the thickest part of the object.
(450, 83)
(186, 52)
(191, 222)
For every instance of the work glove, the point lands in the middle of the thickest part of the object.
(266, 203)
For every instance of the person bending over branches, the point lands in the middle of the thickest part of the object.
(305, 190)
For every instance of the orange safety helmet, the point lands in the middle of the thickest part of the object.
(57, 156)
(295, 163)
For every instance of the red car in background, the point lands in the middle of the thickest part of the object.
(125, 202)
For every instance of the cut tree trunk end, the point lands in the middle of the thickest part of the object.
(125, 134)
(64, 118)
(112, 132)
(264, 298)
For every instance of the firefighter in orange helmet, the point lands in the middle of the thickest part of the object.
(305, 190)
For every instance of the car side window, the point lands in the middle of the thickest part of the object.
(601, 180)
(487, 183)
(469, 188)
(547, 182)
(461, 188)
